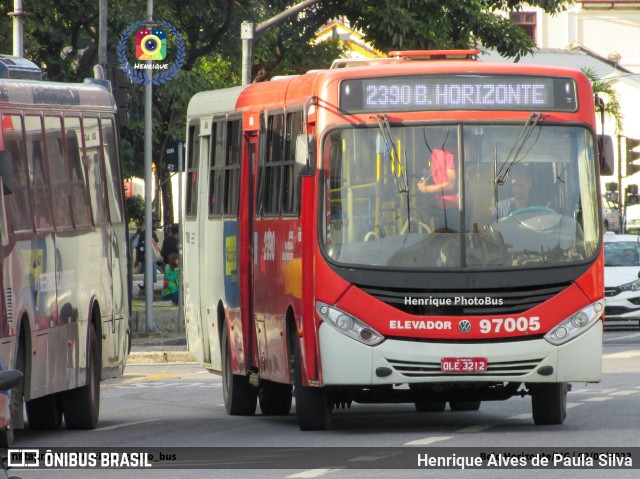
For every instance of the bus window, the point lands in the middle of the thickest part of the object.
(97, 182)
(216, 169)
(273, 167)
(58, 172)
(111, 165)
(37, 173)
(232, 168)
(193, 154)
(79, 196)
(19, 206)
(291, 193)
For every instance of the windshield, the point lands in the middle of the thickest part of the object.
(503, 196)
(622, 253)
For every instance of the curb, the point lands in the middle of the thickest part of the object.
(161, 357)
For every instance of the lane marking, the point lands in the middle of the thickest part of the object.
(624, 393)
(571, 405)
(126, 424)
(629, 336)
(598, 399)
(140, 379)
(476, 428)
(527, 415)
(427, 440)
(314, 473)
(622, 355)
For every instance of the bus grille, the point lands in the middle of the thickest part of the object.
(469, 302)
(414, 369)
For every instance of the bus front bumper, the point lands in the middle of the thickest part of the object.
(348, 362)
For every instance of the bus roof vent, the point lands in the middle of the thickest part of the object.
(18, 68)
(435, 54)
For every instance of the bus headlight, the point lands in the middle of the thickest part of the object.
(348, 325)
(576, 324)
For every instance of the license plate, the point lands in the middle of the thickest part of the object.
(463, 365)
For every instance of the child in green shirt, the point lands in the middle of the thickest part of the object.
(171, 291)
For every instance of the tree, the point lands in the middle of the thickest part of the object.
(607, 92)
(62, 38)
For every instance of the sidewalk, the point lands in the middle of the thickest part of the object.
(168, 343)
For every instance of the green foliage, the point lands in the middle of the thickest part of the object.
(135, 210)
(62, 38)
(605, 90)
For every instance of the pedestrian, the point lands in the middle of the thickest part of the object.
(169, 244)
(171, 279)
(141, 250)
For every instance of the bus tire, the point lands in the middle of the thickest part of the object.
(240, 397)
(44, 413)
(430, 406)
(464, 405)
(82, 405)
(275, 398)
(313, 408)
(549, 403)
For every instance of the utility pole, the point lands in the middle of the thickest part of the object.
(18, 36)
(247, 32)
(148, 191)
(102, 34)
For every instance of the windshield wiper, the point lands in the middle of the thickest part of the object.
(399, 173)
(514, 155)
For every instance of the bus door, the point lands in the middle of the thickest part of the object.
(248, 251)
(197, 154)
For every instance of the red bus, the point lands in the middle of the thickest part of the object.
(423, 229)
(64, 306)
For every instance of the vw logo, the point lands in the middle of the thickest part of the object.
(464, 326)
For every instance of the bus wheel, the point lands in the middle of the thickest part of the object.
(240, 397)
(275, 398)
(82, 405)
(430, 406)
(44, 413)
(312, 404)
(549, 403)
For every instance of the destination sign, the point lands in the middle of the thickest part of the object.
(458, 92)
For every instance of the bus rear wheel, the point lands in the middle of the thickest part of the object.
(549, 403)
(313, 407)
(275, 398)
(240, 397)
(82, 405)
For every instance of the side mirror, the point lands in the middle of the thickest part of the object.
(6, 172)
(606, 156)
(306, 154)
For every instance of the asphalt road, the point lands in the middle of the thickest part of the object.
(181, 405)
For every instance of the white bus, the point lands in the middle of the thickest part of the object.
(64, 306)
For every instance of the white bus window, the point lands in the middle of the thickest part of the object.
(75, 153)
(19, 206)
(193, 154)
(37, 173)
(58, 172)
(113, 170)
(97, 183)
(216, 167)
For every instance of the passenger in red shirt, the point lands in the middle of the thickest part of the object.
(443, 186)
